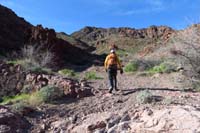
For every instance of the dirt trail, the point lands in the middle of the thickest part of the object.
(67, 114)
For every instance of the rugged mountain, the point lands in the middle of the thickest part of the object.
(94, 35)
(75, 42)
(13, 30)
(16, 32)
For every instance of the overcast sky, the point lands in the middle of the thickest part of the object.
(71, 15)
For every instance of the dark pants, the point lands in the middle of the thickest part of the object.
(112, 76)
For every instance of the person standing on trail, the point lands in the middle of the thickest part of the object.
(112, 64)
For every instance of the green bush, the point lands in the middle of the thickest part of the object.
(48, 93)
(14, 62)
(15, 99)
(157, 69)
(165, 67)
(144, 97)
(67, 72)
(91, 75)
(131, 67)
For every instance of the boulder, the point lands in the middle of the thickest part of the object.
(11, 122)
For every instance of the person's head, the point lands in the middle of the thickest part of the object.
(112, 51)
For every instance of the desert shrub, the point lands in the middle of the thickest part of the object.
(35, 99)
(131, 67)
(168, 100)
(165, 67)
(91, 75)
(196, 85)
(67, 72)
(41, 70)
(33, 58)
(46, 94)
(19, 106)
(144, 97)
(15, 99)
(157, 69)
(14, 62)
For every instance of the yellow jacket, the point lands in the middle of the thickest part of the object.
(112, 59)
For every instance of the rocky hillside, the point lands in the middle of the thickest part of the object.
(13, 30)
(75, 42)
(16, 32)
(125, 38)
(64, 51)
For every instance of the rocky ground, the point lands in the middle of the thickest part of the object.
(172, 108)
(145, 103)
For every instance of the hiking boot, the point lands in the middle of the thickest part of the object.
(110, 90)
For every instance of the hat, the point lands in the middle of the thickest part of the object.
(112, 51)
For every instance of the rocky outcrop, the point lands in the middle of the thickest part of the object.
(14, 80)
(71, 88)
(174, 119)
(11, 122)
(11, 79)
(93, 34)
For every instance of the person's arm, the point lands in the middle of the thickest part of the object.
(119, 63)
(106, 62)
(120, 66)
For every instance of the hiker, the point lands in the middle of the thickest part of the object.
(112, 64)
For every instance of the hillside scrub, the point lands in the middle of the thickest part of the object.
(67, 72)
(14, 99)
(165, 67)
(45, 95)
(131, 67)
(91, 75)
(31, 61)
